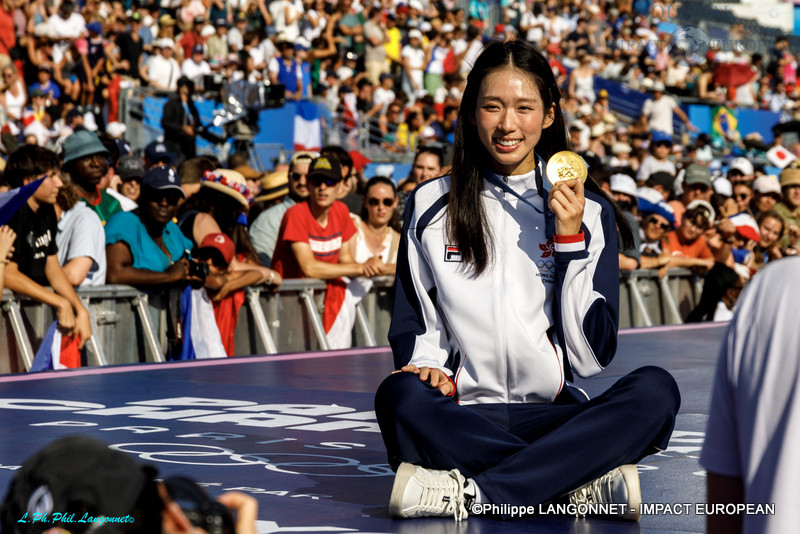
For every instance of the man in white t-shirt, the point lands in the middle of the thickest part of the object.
(196, 66)
(66, 24)
(750, 451)
(657, 112)
(162, 71)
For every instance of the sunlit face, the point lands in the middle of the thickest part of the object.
(692, 228)
(426, 166)
(655, 227)
(766, 201)
(298, 185)
(791, 195)
(131, 189)
(322, 191)
(510, 117)
(770, 230)
(48, 191)
(742, 194)
(381, 202)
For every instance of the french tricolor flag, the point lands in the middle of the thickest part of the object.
(201, 338)
(307, 127)
(57, 351)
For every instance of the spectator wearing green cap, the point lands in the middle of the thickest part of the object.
(85, 160)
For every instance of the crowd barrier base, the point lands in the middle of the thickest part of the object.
(132, 327)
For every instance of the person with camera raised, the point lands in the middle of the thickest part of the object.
(144, 248)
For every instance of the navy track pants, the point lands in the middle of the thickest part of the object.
(528, 454)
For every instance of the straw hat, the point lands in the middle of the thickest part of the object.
(274, 185)
(229, 182)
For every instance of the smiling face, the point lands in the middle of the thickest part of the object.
(510, 117)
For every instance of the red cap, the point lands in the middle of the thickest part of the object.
(222, 244)
(500, 28)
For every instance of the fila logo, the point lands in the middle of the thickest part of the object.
(452, 254)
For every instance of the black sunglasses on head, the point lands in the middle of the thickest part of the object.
(375, 201)
(318, 180)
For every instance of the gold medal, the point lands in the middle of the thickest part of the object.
(566, 165)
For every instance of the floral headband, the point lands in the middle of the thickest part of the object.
(242, 189)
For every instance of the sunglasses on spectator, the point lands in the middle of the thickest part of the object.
(318, 180)
(663, 226)
(773, 196)
(375, 201)
(662, 143)
(740, 196)
(171, 198)
(296, 176)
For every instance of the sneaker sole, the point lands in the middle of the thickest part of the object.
(401, 478)
(631, 475)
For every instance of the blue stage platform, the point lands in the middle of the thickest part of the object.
(297, 432)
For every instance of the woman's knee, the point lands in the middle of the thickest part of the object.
(658, 389)
(403, 393)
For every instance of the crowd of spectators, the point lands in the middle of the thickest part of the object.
(399, 69)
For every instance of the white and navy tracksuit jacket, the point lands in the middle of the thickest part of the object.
(545, 307)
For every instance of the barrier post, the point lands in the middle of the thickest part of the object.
(307, 295)
(638, 300)
(23, 343)
(253, 296)
(361, 321)
(150, 339)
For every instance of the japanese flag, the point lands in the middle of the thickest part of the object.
(779, 156)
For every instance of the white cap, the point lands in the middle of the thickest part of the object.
(722, 186)
(425, 26)
(415, 33)
(659, 86)
(207, 31)
(416, 4)
(446, 28)
(742, 165)
(622, 183)
(166, 42)
(767, 184)
(384, 170)
(598, 129)
(621, 148)
(116, 129)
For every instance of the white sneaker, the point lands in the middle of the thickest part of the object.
(420, 492)
(618, 486)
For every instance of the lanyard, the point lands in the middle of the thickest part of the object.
(540, 184)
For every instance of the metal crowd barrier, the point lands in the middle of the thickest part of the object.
(131, 327)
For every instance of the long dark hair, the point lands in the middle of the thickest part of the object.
(466, 223)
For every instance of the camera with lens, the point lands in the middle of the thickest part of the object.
(200, 509)
(198, 270)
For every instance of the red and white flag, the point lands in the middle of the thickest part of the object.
(780, 157)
